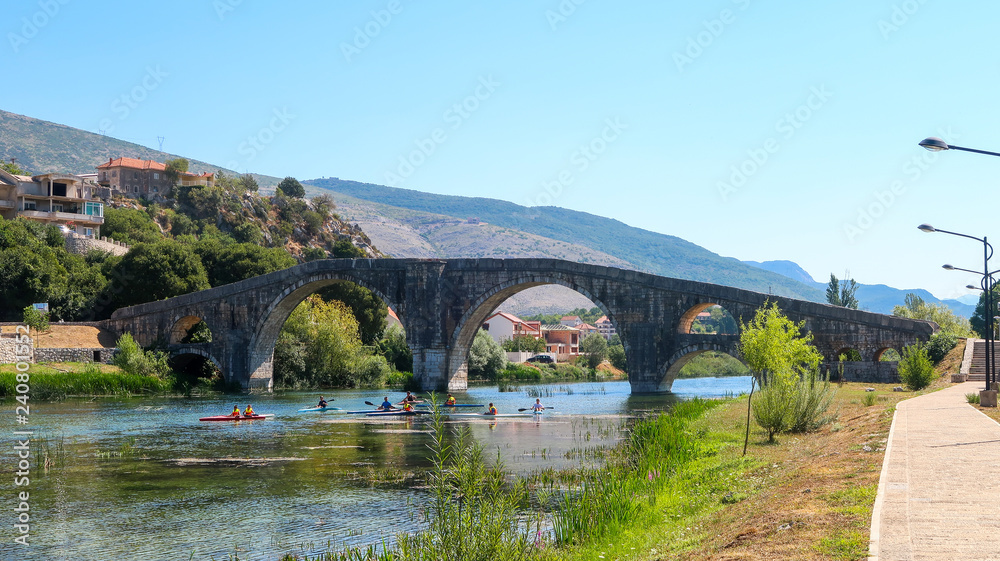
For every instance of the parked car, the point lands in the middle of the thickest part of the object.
(542, 359)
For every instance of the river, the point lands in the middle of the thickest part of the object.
(142, 478)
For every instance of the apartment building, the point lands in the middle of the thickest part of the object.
(66, 200)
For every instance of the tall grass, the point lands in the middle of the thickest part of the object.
(613, 496)
(92, 381)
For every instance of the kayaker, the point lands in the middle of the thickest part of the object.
(236, 411)
(407, 406)
(386, 404)
(322, 402)
(248, 412)
(538, 407)
(409, 397)
(450, 401)
(492, 410)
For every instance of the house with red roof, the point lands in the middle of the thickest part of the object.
(504, 327)
(136, 178)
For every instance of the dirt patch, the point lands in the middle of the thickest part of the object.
(70, 337)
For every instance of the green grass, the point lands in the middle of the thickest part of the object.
(846, 545)
(47, 383)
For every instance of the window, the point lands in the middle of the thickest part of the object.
(29, 205)
(114, 173)
(57, 207)
(94, 209)
(156, 176)
(136, 188)
(89, 232)
(135, 175)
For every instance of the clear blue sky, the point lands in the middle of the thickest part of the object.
(639, 111)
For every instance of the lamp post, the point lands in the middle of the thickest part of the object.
(935, 144)
(987, 287)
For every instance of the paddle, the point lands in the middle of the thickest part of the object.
(527, 408)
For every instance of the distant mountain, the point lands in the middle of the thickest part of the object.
(872, 297)
(640, 249)
(43, 147)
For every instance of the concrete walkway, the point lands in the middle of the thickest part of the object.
(938, 493)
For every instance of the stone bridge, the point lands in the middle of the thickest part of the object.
(443, 302)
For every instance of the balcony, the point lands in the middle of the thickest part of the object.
(7, 204)
(61, 216)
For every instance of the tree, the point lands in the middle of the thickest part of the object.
(595, 348)
(291, 187)
(779, 357)
(523, 343)
(174, 169)
(345, 249)
(132, 359)
(978, 322)
(395, 350)
(319, 347)
(12, 168)
(914, 307)
(842, 295)
(368, 309)
(36, 319)
(130, 226)
(234, 262)
(486, 358)
(249, 182)
(155, 271)
(616, 355)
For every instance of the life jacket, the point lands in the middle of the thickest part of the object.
(248, 412)
(450, 401)
(407, 406)
(493, 410)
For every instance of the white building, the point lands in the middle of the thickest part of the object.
(504, 327)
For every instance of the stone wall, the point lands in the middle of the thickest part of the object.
(8, 351)
(98, 354)
(81, 245)
(884, 372)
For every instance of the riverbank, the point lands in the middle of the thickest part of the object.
(58, 380)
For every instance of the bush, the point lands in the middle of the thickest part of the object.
(940, 345)
(770, 409)
(370, 371)
(915, 368)
(812, 400)
(616, 355)
(486, 358)
(132, 359)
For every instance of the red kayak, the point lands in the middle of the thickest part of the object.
(240, 418)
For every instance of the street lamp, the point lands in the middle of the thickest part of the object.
(987, 285)
(935, 144)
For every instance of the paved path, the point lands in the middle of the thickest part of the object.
(938, 493)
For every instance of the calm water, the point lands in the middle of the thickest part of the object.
(291, 484)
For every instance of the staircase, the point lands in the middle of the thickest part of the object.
(977, 368)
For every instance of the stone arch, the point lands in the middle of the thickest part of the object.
(852, 354)
(683, 355)
(460, 340)
(688, 318)
(275, 314)
(191, 350)
(181, 326)
(878, 354)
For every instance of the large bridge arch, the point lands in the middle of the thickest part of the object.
(464, 332)
(277, 311)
